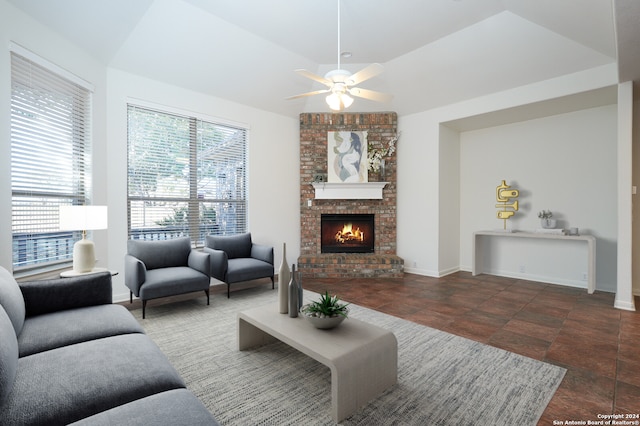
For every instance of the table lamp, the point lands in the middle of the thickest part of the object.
(83, 218)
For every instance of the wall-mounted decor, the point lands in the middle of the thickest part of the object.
(504, 194)
(347, 157)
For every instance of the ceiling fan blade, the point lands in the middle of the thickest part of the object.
(365, 74)
(370, 94)
(314, 77)
(302, 95)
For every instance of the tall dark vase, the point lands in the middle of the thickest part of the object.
(294, 291)
(299, 280)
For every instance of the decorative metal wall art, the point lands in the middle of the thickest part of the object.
(504, 194)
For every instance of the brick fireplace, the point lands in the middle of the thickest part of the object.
(383, 261)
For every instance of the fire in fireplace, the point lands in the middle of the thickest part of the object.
(347, 233)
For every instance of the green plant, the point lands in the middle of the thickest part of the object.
(327, 306)
(545, 214)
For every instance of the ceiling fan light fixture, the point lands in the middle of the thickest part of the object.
(339, 101)
(333, 100)
(341, 82)
(346, 100)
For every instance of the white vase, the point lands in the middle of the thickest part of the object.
(548, 223)
(284, 276)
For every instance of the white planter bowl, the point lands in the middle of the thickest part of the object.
(323, 323)
(548, 223)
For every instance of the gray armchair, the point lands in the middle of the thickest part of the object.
(236, 258)
(154, 269)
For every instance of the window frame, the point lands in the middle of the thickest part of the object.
(50, 115)
(195, 229)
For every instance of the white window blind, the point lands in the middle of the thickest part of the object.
(50, 160)
(186, 176)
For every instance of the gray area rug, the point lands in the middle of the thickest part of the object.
(443, 379)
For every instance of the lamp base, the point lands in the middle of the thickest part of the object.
(84, 256)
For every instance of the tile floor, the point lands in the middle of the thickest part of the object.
(597, 344)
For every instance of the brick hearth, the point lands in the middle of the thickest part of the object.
(384, 262)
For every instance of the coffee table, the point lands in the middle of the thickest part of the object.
(362, 357)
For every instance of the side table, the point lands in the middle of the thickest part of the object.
(72, 273)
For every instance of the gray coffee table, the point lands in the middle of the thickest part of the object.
(363, 358)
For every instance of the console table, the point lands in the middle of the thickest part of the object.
(589, 239)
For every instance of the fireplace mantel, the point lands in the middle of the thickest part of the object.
(349, 191)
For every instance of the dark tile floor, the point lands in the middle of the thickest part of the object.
(597, 344)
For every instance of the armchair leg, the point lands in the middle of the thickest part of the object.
(273, 283)
(207, 292)
(228, 290)
(130, 297)
(144, 306)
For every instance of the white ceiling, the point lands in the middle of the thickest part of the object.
(435, 52)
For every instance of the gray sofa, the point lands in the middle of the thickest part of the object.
(235, 258)
(154, 269)
(67, 354)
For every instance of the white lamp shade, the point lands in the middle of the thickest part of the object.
(83, 218)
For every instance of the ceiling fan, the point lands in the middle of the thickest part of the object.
(341, 83)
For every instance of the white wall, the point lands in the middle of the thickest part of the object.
(273, 145)
(449, 200)
(423, 239)
(636, 211)
(565, 163)
(418, 179)
(274, 164)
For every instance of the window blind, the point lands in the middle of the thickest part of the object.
(186, 176)
(50, 160)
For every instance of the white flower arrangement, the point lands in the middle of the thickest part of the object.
(376, 155)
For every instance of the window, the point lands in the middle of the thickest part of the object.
(50, 158)
(186, 176)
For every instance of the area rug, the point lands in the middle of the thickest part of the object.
(443, 379)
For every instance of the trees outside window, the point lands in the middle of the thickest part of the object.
(186, 176)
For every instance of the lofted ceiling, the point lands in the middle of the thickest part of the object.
(435, 52)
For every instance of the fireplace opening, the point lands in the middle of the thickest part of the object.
(347, 233)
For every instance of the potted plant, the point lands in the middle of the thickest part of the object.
(545, 219)
(328, 312)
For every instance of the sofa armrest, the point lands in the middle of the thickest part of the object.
(135, 273)
(219, 263)
(262, 252)
(45, 296)
(199, 261)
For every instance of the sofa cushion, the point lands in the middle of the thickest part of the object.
(177, 407)
(161, 254)
(59, 294)
(67, 384)
(8, 355)
(11, 299)
(57, 329)
(245, 269)
(171, 281)
(234, 245)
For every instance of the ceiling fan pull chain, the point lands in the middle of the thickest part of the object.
(339, 3)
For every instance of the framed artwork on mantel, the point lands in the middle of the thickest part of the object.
(347, 157)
